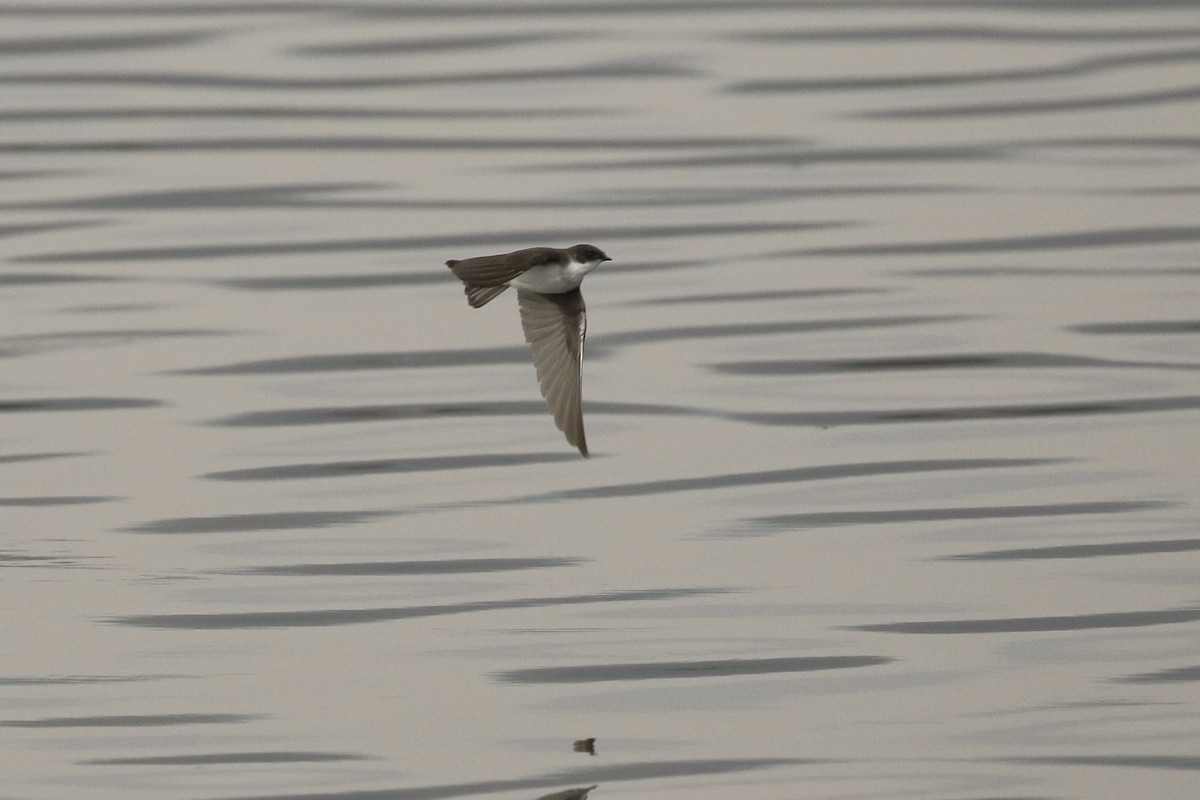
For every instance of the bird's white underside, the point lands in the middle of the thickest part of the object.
(554, 278)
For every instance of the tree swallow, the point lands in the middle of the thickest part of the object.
(552, 313)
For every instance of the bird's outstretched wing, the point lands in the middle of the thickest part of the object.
(555, 326)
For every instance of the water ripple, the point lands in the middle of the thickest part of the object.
(368, 142)
(196, 80)
(429, 411)
(1059, 106)
(357, 616)
(425, 359)
(452, 566)
(1108, 237)
(659, 670)
(429, 44)
(50, 501)
(792, 475)
(628, 771)
(1155, 327)
(901, 515)
(58, 45)
(1011, 360)
(824, 419)
(1137, 761)
(389, 244)
(49, 278)
(388, 466)
(30, 344)
(285, 112)
(989, 33)
(15, 458)
(42, 404)
(208, 759)
(128, 721)
(1081, 68)
(267, 521)
(1177, 674)
(1069, 622)
(1135, 548)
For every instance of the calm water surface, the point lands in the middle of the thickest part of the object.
(893, 394)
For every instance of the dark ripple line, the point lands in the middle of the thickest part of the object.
(76, 404)
(32, 344)
(344, 362)
(16, 458)
(1080, 68)
(451, 566)
(824, 419)
(1188, 762)
(1128, 142)
(54, 501)
(73, 680)
(629, 771)
(47, 45)
(40, 227)
(386, 466)
(327, 195)
(796, 159)
(766, 328)
(337, 415)
(1010, 360)
(260, 196)
(427, 359)
(791, 475)
(183, 80)
(1139, 328)
(357, 616)
(372, 10)
(833, 518)
(430, 44)
(267, 521)
(129, 721)
(1137, 548)
(1069, 622)
(46, 278)
(984, 32)
(747, 297)
(207, 759)
(1115, 237)
(311, 283)
(659, 670)
(87, 114)
(517, 354)
(1043, 272)
(492, 239)
(1177, 674)
(1127, 100)
(363, 142)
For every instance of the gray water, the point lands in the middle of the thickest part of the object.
(892, 390)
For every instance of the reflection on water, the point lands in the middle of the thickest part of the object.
(892, 388)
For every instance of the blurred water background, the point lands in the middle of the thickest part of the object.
(892, 389)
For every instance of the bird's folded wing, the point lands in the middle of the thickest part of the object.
(555, 326)
(486, 270)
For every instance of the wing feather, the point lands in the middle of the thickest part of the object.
(555, 327)
(500, 269)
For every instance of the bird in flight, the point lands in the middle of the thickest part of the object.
(552, 313)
